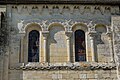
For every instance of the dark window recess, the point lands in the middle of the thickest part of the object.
(80, 48)
(33, 46)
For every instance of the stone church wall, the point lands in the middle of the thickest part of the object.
(57, 25)
(63, 75)
(69, 16)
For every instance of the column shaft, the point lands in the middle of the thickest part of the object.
(45, 50)
(22, 51)
(45, 35)
(68, 49)
(68, 35)
(92, 48)
(111, 50)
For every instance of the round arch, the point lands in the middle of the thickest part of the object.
(79, 26)
(55, 24)
(101, 28)
(28, 28)
(32, 26)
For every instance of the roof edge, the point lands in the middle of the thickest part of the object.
(107, 2)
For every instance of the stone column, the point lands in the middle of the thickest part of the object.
(68, 35)
(45, 35)
(92, 35)
(21, 60)
(110, 45)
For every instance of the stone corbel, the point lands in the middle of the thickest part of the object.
(50, 9)
(72, 10)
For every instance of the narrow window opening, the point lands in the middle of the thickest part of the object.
(80, 48)
(33, 46)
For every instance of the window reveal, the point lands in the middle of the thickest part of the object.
(33, 46)
(80, 48)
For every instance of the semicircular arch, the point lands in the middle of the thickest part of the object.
(101, 28)
(56, 24)
(79, 26)
(32, 26)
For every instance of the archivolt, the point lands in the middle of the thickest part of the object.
(32, 26)
(55, 24)
(79, 25)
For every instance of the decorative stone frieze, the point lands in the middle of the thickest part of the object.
(45, 24)
(65, 66)
(61, 8)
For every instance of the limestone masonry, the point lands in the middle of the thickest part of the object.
(75, 40)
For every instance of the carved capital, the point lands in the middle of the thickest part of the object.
(67, 25)
(92, 34)
(45, 34)
(109, 34)
(44, 25)
(91, 26)
(68, 34)
(22, 35)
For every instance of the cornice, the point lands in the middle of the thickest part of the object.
(110, 2)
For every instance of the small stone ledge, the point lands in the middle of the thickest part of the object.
(64, 66)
